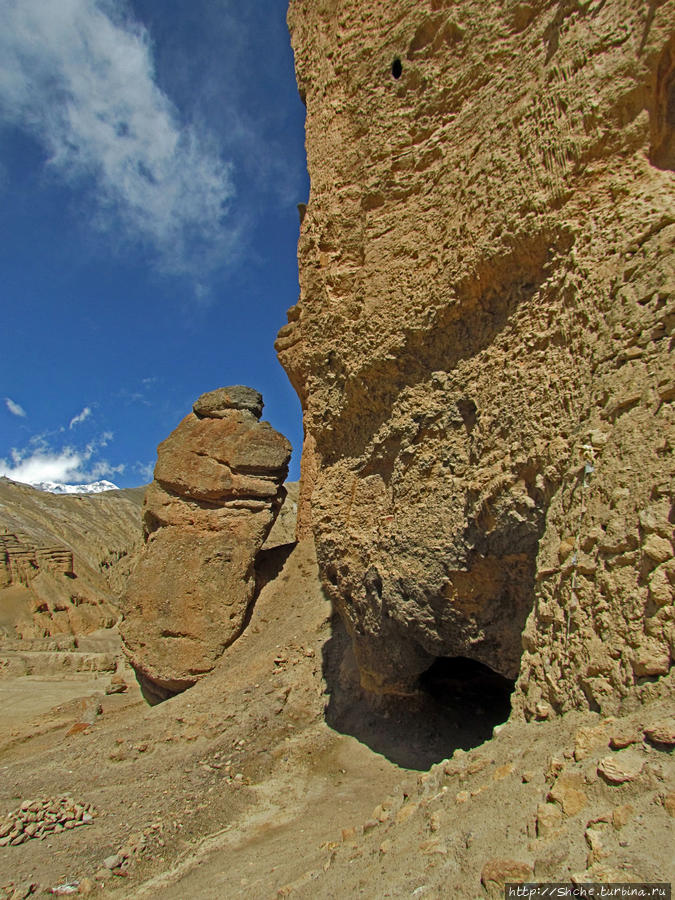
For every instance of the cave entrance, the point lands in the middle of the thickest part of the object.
(457, 704)
(458, 684)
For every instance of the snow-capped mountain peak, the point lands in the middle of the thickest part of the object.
(95, 487)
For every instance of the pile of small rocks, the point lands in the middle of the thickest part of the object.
(40, 818)
(136, 845)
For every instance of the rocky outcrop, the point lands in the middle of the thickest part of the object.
(216, 492)
(284, 528)
(481, 346)
(21, 560)
(64, 560)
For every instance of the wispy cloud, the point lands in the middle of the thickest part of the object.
(39, 462)
(79, 75)
(145, 470)
(80, 417)
(14, 408)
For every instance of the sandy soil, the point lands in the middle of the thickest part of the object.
(24, 699)
(274, 777)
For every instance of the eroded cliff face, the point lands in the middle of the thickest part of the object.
(481, 345)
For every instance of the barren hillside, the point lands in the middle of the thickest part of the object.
(64, 559)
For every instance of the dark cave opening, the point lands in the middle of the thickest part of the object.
(397, 68)
(459, 682)
(457, 704)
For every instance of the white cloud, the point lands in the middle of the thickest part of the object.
(145, 470)
(43, 467)
(79, 75)
(14, 408)
(40, 463)
(80, 417)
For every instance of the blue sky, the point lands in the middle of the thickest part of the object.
(151, 160)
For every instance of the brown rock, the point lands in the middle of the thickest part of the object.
(661, 584)
(217, 404)
(222, 459)
(658, 548)
(217, 489)
(433, 846)
(622, 815)
(652, 658)
(79, 728)
(405, 812)
(597, 848)
(661, 734)
(568, 794)
(549, 819)
(497, 872)
(607, 874)
(622, 739)
(460, 322)
(625, 765)
(589, 739)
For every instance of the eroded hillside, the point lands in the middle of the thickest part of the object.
(64, 560)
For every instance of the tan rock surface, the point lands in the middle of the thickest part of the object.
(217, 490)
(284, 528)
(622, 766)
(481, 345)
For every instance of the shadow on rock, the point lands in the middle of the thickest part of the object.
(458, 704)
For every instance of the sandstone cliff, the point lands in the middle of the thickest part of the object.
(64, 560)
(216, 493)
(481, 346)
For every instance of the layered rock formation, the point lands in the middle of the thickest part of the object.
(64, 560)
(216, 492)
(481, 345)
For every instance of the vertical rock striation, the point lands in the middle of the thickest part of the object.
(216, 492)
(481, 345)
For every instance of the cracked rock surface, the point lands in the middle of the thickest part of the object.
(482, 344)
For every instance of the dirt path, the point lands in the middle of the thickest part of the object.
(23, 699)
(282, 836)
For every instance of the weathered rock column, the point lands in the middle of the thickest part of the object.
(217, 490)
(486, 289)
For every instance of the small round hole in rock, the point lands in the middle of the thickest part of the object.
(396, 68)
